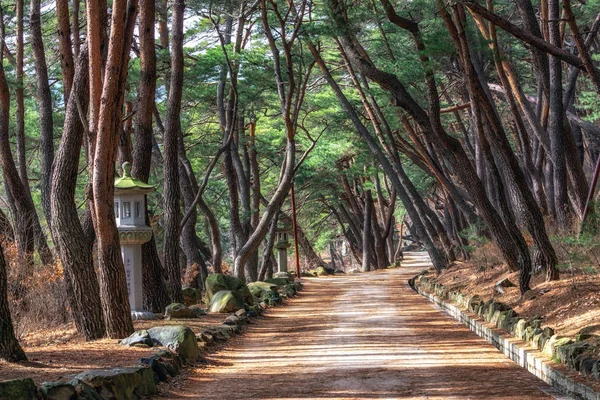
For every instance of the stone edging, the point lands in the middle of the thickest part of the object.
(520, 356)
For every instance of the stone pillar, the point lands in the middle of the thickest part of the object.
(131, 251)
(282, 259)
(132, 258)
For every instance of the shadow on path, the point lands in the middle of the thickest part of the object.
(365, 336)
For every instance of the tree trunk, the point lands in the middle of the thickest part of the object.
(73, 244)
(267, 257)
(555, 126)
(196, 271)
(113, 283)
(155, 292)
(10, 350)
(366, 233)
(45, 107)
(24, 211)
(215, 236)
(65, 45)
(20, 127)
(171, 194)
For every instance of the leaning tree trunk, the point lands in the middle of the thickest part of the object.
(10, 350)
(73, 244)
(24, 210)
(45, 107)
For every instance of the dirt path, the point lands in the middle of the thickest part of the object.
(364, 336)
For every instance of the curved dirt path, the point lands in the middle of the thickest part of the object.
(366, 336)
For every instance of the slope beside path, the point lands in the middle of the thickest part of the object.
(365, 336)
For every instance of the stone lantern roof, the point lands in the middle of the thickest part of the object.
(283, 227)
(128, 184)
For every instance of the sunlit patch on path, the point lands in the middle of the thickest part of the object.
(365, 336)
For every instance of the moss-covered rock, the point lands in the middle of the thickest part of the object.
(121, 383)
(286, 275)
(178, 338)
(226, 301)
(191, 296)
(289, 290)
(259, 288)
(321, 271)
(58, 391)
(218, 282)
(520, 328)
(473, 303)
(504, 318)
(265, 292)
(567, 354)
(554, 342)
(279, 281)
(179, 310)
(18, 389)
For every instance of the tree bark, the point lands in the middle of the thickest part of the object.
(65, 45)
(113, 284)
(156, 297)
(24, 210)
(367, 243)
(45, 107)
(74, 245)
(10, 350)
(555, 125)
(171, 194)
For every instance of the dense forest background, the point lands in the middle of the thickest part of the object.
(456, 125)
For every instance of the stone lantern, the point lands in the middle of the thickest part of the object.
(130, 215)
(283, 243)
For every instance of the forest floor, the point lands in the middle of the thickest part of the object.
(361, 336)
(56, 354)
(570, 305)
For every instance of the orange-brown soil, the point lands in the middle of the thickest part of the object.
(569, 305)
(61, 353)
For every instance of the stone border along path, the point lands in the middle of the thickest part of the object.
(518, 351)
(364, 336)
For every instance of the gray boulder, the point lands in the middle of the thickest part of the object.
(18, 389)
(85, 391)
(137, 338)
(226, 301)
(121, 383)
(178, 338)
(58, 391)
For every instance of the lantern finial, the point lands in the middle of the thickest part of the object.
(126, 169)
